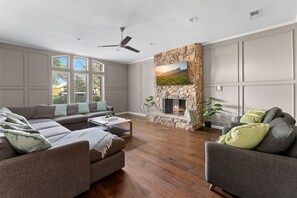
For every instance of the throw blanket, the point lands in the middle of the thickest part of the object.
(98, 140)
(17, 122)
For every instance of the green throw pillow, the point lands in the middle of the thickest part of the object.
(61, 110)
(246, 136)
(101, 106)
(83, 108)
(24, 142)
(254, 116)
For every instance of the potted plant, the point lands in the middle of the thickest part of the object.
(210, 109)
(149, 102)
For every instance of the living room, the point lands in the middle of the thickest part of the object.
(86, 79)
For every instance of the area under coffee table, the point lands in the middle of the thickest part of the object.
(112, 124)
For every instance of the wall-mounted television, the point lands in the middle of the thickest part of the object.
(173, 74)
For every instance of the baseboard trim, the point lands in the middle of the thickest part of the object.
(130, 112)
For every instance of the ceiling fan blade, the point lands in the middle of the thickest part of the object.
(132, 49)
(126, 40)
(108, 46)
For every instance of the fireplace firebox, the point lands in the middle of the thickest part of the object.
(173, 106)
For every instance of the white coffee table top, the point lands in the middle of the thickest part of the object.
(102, 120)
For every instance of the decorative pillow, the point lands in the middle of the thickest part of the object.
(24, 142)
(93, 106)
(44, 111)
(246, 136)
(289, 118)
(83, 108)
(253, 116)
(61, 110)
(273, 113)
(292, 151)
(72, 109)
(101, 106)
(279, 138)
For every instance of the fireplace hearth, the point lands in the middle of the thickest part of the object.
(173, 106)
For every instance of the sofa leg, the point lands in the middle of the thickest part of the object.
(212, 187)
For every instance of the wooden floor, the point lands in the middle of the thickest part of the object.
(160, 162)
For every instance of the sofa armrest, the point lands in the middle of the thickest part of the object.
(248, 173)
(58, 172)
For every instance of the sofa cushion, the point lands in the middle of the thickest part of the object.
(289, 118)
(273, 113)
(247, 136)
(72, 109)
(44, 125)
(98, 113)
(44, 111)
(292, 151)
(279, 138)
(117, 145)
(83, 108)
(61, 110)
(27, 112)
(93, 106)
(54, 131)
(70, 119)
(253, 116)
(34, 121)
(24, 142)
(101, 106)
(6, 150)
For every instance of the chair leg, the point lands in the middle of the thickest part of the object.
(212, 187)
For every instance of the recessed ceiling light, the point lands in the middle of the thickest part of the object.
(152, 43)
(193, 19)
(78, 39)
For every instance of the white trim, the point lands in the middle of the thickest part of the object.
(252, 32)
(141, 60)
(129, 112)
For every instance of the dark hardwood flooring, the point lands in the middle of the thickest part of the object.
(160, 162)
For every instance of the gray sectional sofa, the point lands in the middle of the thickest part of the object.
(269, 170)
(69, 167)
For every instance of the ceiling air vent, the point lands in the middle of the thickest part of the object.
(255, 14)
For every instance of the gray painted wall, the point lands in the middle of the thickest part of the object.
(255, 71)
(25, 78)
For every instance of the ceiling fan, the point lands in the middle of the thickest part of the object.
(123, 43)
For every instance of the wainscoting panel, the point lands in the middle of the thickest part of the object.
(269, 58)
(123, 77)
(134, 76)
(38, 70)
(111, 96)
(38, 96)
(12, 97)
(134, 99)
(147, 74)
(221, 64)
(12, 67)
(111, 79)
(228, 97)
(123, 100)
(267, 96)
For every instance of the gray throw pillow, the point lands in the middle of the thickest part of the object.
(292, 151)
(289, 118)
(273, 113)
(24, 142)
(279, 138)
(72, 109)
(44, 111)
(93, 106)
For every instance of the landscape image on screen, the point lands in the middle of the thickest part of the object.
(173, 74)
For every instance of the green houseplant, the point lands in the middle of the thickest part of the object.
(210, 109)
(149, 102)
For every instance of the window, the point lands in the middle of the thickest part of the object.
(97, 66)
(97, 87)
(80, 64)
(60, 61)
(60, 87)
(80, 87)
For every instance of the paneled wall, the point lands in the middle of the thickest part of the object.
(141, 84)
(255, 71)
(25, 78)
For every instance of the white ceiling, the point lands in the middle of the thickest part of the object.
(55, 24)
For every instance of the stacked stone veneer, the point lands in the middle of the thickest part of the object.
(193, 92)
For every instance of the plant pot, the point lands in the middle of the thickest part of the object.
(207, 124)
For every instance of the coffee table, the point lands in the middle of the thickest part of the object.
(112, 124)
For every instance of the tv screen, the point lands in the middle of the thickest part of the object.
(173, 74)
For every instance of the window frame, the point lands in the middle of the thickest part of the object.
(68, 85)
(87, 85)
(57, 56)
(103, 66)
(80, 57)
(101, 86)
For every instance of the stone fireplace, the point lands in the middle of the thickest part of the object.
(172, 101)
